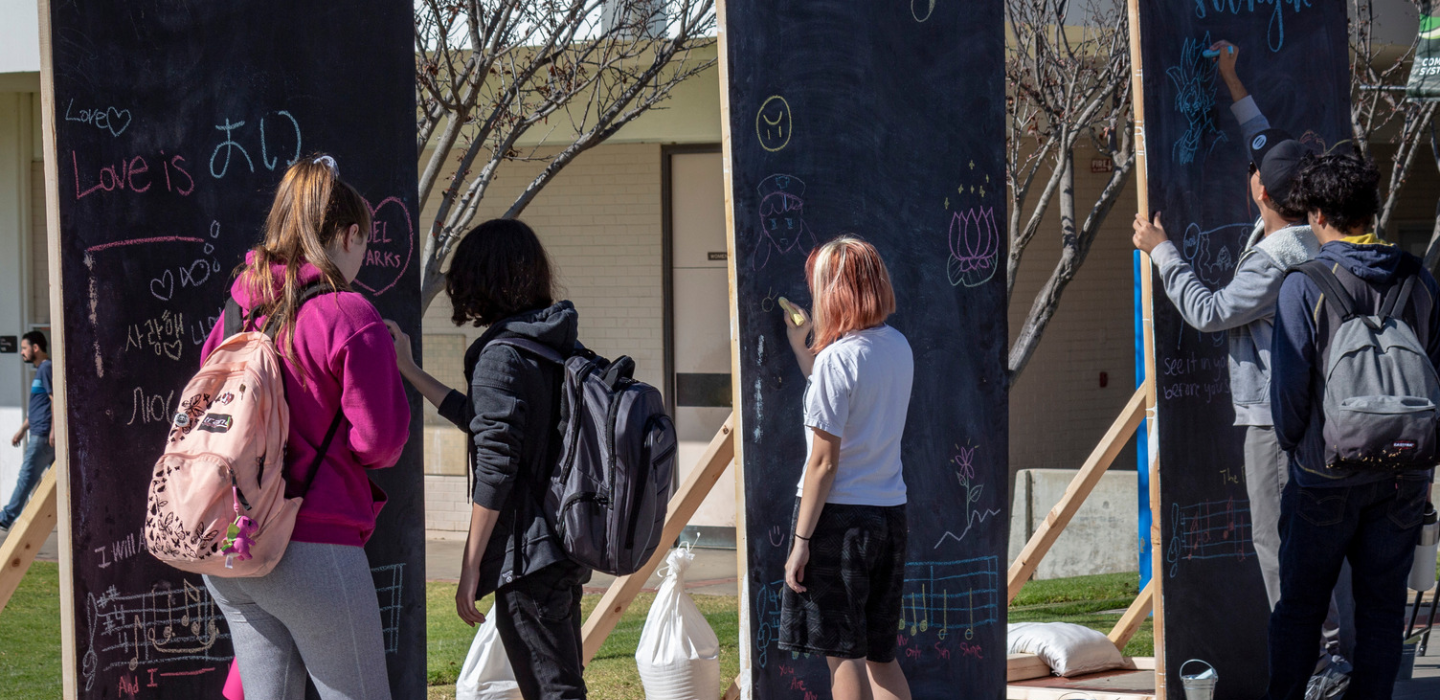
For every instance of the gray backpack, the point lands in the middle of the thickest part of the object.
(1381, 390)
(609, 493)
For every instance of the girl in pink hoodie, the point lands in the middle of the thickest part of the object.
(316, 613)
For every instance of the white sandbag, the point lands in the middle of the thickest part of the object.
(486, 674)
(679, 655)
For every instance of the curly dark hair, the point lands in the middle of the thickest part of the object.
(1343, 187)
(499, 270)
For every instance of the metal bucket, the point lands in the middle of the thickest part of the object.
(1197, 688)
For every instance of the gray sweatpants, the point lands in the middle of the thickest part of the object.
(1267, 471)
(316, 613)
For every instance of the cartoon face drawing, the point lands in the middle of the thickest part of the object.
(782, 218)
(773, 123)
(1194, 81)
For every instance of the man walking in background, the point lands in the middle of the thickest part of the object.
(40, 452)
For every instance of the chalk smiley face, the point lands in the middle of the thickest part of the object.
(773, 123)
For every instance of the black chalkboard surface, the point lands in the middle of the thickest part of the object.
(885, 120)
(173, 123)
(1293, 61)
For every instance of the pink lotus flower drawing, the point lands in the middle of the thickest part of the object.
(974, 247)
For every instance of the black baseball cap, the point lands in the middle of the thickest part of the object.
(1277, 157)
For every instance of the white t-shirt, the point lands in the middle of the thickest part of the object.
(859, 389)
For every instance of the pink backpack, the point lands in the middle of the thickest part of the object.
(217, 502)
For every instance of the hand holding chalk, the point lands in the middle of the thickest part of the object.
(796, 316)
(1215, 53)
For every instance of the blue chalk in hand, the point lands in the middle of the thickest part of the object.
(1209, 53)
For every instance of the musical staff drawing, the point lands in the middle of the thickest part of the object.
(389, 587)
(950, 596)
(163, 626)
(1209, 530)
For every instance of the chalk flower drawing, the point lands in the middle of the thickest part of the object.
(1194, 81)
(782, 219)
(964, 462)
(974, 246)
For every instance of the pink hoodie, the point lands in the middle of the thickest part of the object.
(348, 360)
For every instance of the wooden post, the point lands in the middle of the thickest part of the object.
(1076, 493)
(682, 506)
(1134, 616)
(27, 536)
(1147, 318)
(60, 425)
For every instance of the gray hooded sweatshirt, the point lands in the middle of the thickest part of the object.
(1246, 306)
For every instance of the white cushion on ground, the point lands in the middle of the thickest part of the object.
(1069, 650)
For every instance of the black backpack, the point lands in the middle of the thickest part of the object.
(609, 493)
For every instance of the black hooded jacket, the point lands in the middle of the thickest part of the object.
(512, 415)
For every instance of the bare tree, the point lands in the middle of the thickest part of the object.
(1378, 105)
(489, 71)
(1068, 80)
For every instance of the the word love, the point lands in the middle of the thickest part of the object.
(133, 174)
(109, 119)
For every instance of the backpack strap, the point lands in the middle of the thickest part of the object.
(236, 320)
(1329, 285)
(320, 454)
(1398, 295)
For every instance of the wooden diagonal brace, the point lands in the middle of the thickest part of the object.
(25, 538)
(1080, 487)
(1134, 616)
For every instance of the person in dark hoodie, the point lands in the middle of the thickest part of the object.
(1328, 515)
(500, 277)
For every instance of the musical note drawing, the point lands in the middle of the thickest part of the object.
(1209, 530)
(133, 630)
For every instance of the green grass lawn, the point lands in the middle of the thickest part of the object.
(30, 631)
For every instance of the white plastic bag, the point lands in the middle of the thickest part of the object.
(679, 655)
(486, 674)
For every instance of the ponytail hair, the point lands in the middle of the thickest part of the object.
(850, 288)
(312, 207)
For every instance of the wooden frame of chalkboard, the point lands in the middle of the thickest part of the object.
(158, 103)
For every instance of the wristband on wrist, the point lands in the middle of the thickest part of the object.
(802, 537)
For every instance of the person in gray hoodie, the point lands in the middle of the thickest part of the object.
(1245, 307)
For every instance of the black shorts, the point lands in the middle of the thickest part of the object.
(854, 581)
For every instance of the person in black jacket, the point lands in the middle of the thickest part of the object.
(500, 277)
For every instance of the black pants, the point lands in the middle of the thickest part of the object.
(539, 623)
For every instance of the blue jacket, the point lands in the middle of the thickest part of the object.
(1301, 329)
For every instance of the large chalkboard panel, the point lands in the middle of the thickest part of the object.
(885, 120)
(173, 123)
(1293, 60)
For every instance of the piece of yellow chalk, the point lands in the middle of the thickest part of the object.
(795, 315)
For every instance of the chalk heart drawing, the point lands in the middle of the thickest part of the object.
(163, 287)
(974, 247)
(392, 244)
(773, 123)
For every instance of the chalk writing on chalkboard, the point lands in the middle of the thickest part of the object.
(391, 245)
(232, 147)
(108, 119)
(773, 123)
(1213, 262)
(1209, 530)
(1275, 32)
(974, 246)
(964, 463)
(1194, 81)
(782, 219)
